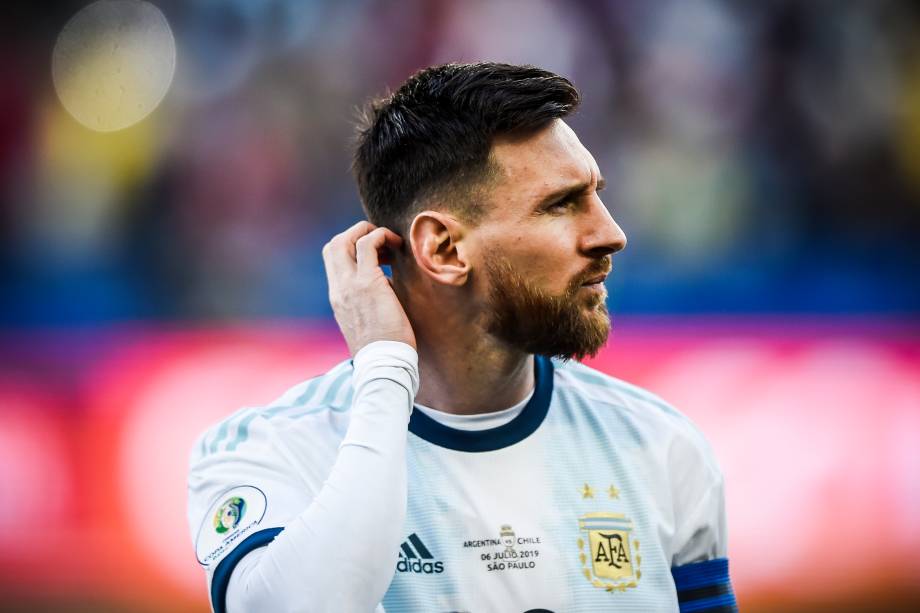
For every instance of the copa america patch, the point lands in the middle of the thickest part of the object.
(232, 516)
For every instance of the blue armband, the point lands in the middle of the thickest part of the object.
(704, 587)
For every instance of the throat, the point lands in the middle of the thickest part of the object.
(475, 385)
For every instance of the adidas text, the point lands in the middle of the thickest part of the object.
(419, 566)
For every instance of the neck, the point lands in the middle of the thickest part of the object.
(462, 368)
(472, 379)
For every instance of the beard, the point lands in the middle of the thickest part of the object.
(535, 321)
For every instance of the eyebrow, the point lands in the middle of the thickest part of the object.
(570, 191)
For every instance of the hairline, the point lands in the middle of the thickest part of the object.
(485, 177)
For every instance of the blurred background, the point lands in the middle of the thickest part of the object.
(169, 172)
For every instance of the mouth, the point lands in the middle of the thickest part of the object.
(595, 280)
(595, 288)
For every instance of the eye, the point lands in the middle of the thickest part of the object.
(561, 205)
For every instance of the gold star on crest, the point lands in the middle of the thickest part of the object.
(587, 492)
(613, 492)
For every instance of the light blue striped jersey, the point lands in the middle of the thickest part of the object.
(596, 496)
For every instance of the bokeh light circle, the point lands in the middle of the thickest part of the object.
(113, 63)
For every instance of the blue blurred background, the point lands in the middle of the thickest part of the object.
(762, 157)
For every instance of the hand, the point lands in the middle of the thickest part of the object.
(365, 305)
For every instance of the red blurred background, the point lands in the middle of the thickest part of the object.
(816, 427)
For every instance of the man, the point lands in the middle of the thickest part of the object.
(462, 461)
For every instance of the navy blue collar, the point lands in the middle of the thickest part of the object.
(515, 431)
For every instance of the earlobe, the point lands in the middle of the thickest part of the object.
(436, 241)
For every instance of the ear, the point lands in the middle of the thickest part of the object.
(436, 240)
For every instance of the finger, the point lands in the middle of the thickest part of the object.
(335, 261)
(339, 253)
(355, 232)
(368, 247)
(332, 265)
(392, 246)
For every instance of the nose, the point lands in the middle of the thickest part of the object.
(602, 236)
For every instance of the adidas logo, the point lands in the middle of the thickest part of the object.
(414, 556)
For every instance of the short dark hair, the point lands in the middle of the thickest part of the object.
(432, 137)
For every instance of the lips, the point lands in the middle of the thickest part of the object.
(596, 279)
(598, 272)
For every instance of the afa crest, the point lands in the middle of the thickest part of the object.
(609, 554)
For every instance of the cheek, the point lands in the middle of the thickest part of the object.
(547, 267)
(546, 256)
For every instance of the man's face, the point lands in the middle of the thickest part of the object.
(545, 246)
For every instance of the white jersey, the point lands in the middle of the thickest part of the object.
(596, 495)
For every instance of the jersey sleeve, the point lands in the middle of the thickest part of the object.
(699, 549)
(240, 496)
(282, 531)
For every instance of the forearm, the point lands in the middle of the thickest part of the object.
(339, 554)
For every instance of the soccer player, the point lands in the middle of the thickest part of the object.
(463, 460)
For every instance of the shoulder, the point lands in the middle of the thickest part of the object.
(317, 406)
(273, 456)
(610, 391)
(611, 399)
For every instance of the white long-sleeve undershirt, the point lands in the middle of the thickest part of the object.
(306, 567)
